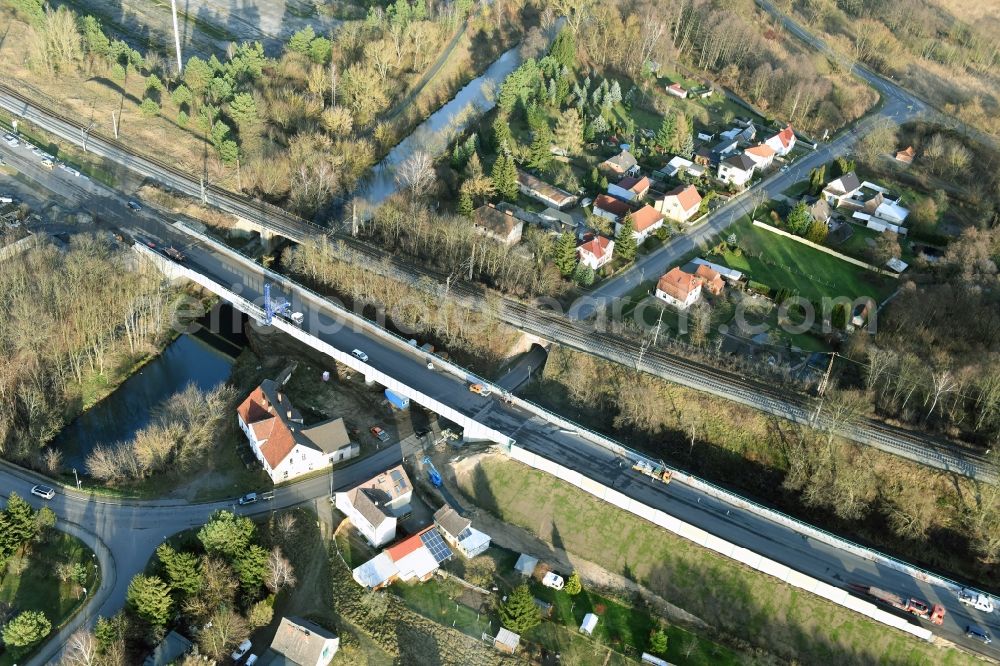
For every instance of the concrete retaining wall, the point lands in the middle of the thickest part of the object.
(721, 546)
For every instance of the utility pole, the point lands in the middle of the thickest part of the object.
(86, 134)
(659, 321)
(239, 178)
(204, 198)
(821, 391)
(114, 123)
(177, 38)
(472, 261)
(354, 218)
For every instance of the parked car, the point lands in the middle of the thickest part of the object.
(48, 164)
(241, 650)
(553, 580)
(134, 205)
(11, 140)
(249, 498)
(586, 201)
(251, 660)
(980, 634)
(379, 433)
(360, 355)
(44, 492)
(977, 600)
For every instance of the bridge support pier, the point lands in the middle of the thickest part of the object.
(475, 432)
(369, 378)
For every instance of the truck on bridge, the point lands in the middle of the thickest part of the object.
(658, 472)
(908, 604)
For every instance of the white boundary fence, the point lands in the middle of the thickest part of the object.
(721, 546)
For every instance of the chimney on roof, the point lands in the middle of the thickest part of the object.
(279, 396)
(289, 414)
(509, 212)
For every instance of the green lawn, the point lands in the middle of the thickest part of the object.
(796, 190)
(737, 601)
(434, 600)
(38, 588)
(782, 262)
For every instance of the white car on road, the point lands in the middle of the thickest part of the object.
(11, 140)
(977, 600)
(360, 355)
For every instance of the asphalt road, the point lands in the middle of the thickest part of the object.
(898, 106)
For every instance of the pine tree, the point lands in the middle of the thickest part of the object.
(817, 179)
(19, 521)
(181, 569)
(502, 138)
(149, 597)
(519, 613)
(616, 92)
(540, 153)
(504, 176)
(625, 246)
(25, 631)
(583, 275)
(682, 134)
(465, 205)
(573, 584)
(798, 220)
(569, 132)
(658, 642)
(564, 255)
(564, 48)
(665, 135)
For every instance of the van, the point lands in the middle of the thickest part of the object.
(980, 634)
(44, 492)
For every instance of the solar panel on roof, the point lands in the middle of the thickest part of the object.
(398, 481)
(439, 549)
(465, 534)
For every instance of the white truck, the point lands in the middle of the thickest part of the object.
(977, 600)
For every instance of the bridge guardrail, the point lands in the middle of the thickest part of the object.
(618, 448)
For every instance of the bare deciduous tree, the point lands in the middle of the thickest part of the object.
(416, 173)
(80, 650)
(280, 573)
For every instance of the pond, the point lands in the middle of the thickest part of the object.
(129, 409)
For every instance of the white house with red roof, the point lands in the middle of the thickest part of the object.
(678, 288)
(782, 142)
(680, 204)
(610, 208)
(596, 252)
(285, 447)
(645, 221)
(762, 155)
(630, 188)
(374, 506)
(414, 558)
(677, 90)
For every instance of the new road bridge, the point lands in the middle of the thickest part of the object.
(777, 537)
(581, 335)
(125, 533)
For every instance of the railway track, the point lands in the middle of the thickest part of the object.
(927, 450)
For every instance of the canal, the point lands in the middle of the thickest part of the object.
(200, 358)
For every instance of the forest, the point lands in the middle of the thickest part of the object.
(70, 324)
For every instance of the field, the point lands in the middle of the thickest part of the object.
(743, 604)
(781, 262)
(37, 588)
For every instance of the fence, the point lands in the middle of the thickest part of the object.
(821, 248)
(721, 546)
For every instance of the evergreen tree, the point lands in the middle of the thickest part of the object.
(569, 132)
(817, 232)
(682, 135)
(665, 135)
(465, 205)
(299, 42)
(502, 138)
(615, 93)
(564, 255)
(226, 534)
(25, 631)
(583, 275)
(625, 246)
(564, 48)
(504, 176)
(519, 613)
(149, 597)
(181, 569)
(798, 220)
(251, 566)
(573, 584)
(599, 126)
(841, 166)
(19, 521)
(243, 109)
(817, 179)
(658, 642)
(540, 152)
